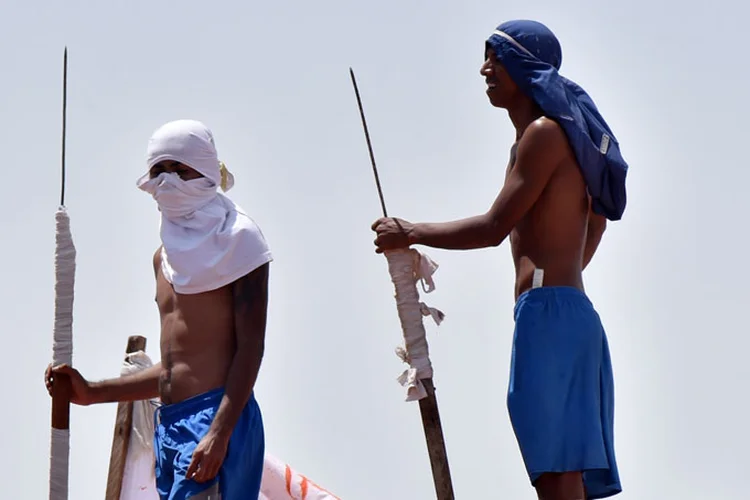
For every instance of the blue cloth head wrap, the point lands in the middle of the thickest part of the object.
(532, 56)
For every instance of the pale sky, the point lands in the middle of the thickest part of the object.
(271, 80)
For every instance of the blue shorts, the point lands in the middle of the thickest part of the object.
(179, 429)
(561, 389)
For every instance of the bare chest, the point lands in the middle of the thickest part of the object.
(201, 313)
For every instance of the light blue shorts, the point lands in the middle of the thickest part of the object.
(561, 389)
(179, 429)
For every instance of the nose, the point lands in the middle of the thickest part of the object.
(486, 69)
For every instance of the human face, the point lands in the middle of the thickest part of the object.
(501, 89)
(186, 173)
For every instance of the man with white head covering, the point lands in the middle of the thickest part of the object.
(212, 294)
(565, 178)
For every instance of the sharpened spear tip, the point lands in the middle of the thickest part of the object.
(64, 119)
(369, 145)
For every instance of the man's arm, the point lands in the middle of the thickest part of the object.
(250, 311)
(138, 386)
(144, 384)
(540, 151)
(594, 231)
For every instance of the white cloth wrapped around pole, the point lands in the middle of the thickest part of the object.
(65, 271)
(58, 472)
(407, 267)
(62, 346)
(139, 475)
(143, 411)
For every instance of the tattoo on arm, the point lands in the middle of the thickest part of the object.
(251, 299)
(250, 294)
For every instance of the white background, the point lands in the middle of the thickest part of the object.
(271, 79)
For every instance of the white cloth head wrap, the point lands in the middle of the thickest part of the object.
(191, 143)
(208, 241)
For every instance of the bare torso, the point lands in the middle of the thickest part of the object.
(197, 339)
(552, 235)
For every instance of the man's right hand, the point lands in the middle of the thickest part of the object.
(392, 233)
(81, 391)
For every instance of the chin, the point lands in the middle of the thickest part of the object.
(496, 102)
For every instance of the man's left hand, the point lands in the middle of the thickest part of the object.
(208, 457)
(392, 233)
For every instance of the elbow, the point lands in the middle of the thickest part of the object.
(253, 347)
(600, 226)
(596, 225)
(494, 241)
(494, 233)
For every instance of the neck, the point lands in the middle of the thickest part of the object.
(522, 114)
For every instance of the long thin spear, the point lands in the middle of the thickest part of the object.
(62, 346)
(428, 406)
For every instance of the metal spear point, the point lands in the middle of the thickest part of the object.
(64, 120)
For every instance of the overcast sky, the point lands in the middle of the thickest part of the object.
(271, 80)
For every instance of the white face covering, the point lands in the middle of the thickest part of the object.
(179, 198)
(207, 240)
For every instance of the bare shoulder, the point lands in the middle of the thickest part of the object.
(542, 148)
(544, 135)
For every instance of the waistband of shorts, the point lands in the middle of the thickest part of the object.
(168, 414)
(552, 293)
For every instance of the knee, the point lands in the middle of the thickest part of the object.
(560, 486)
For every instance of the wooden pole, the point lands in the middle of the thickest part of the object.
(428, 407)
(433, 432)
(61, 391)
(121, 438)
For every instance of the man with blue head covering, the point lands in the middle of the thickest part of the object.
(565, 178)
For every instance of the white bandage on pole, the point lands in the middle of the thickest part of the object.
(62, 345)
(65, 270)
(406, 267)
(58, 476)
(139, 472)
(142, 428)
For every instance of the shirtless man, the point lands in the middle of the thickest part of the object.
(554, 207)
(212, 294)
